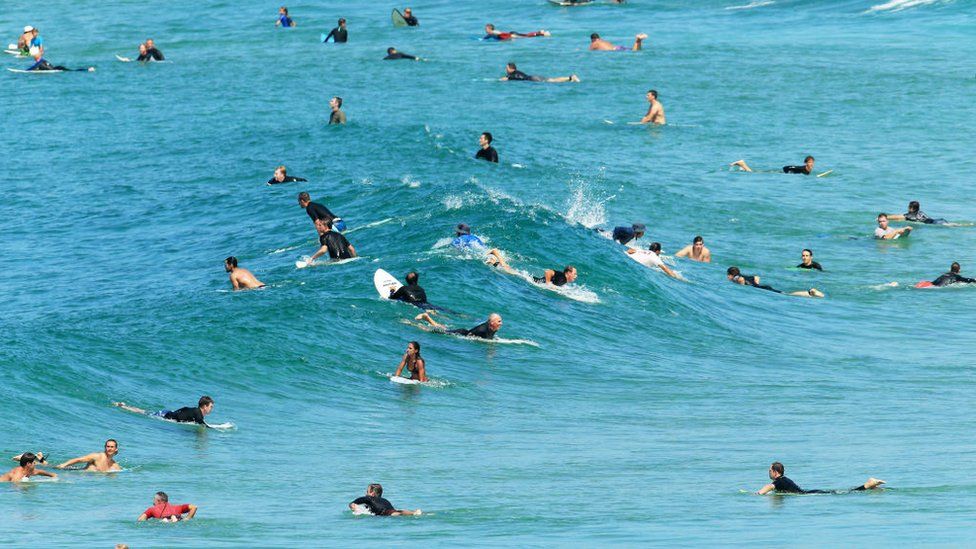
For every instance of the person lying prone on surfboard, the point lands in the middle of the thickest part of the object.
(485, 330)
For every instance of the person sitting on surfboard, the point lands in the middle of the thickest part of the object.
(409, 18)
(414, 363)
(485, 330)
(916, 215)
(486, 152)
(884, 232)
(283, 19)
(25, 470)
(102, 462)
(655, 112)
(187, 414)
(951, 277)
(392, 54)
(332, 242)
(783, 485)
(599, 44)
(736, 277)
(412, 293)
(339, 35)
(512, 74)
(375, 504)
(805, 169)
(239, 276)
(164, 511)
(281, 176)
(557, 278)
(153, 52)
(492, 34)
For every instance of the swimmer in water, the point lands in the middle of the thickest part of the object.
(25, 470)
(317, 211)
(655, 112)
(392, 54)
(376, 504)
(464, 239)
(102, 462)
(884, 232)
(485, 330)
(736, 277)
(332, 242)
(337, 116)
(805, 169)
(340, 34)
(599, 44)
(624, 235)
(409, 17)
(162, 510)
(952, 277)
(916, 215)
(557, 278)
(486, 152)
(512, 74)
(23, 42)
(35, 44)
(494, 258)
(240, 278)
(696, 251)
(153, 53)
(414, 363)
(283, 19)
(187, 414)
(281, 176)
(412, 293)
(652, 258)
(783, 485)
(807, 262)
(492, 34)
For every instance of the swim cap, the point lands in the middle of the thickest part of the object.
(638, 227)
(28, 28)
(463, 229)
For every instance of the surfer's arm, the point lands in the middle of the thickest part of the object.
(331, 35)
(352, 250)
(766, 489)
(684, 252)
(193, 511)
(896, 217)
(234, 282)
(403, 362)
(128, 408)
(549, 274)
(651, 112)
(741, 164)
(667, 270)
(319, 253)
(422, 369)
(83, 459)
(44, 473)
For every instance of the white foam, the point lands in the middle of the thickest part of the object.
(751, 5)
(898, 5)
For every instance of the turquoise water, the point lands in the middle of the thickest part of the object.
(638, 419)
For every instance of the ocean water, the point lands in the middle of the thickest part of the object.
(644, 409)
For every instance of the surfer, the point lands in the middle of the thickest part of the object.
(486, 152)
(952, 277)
(485, 330)
(153, 53)
(41, 64)
(317, 211)
(652, 258)
(102, 462)
(492, 34)
(513, 74)
(916, 215)
(464, 239)
(187, 414)
(374, 503)
(884, 232)
(332, 242)
(392, 54)
(557, 278)
(494, 258)
(599, 44)
(409, 17)
(805, 169)
(783, 485)
(624, 234)
(25, 470)
(339, 35)
(35, 44)
(414, 363)
(807, 262)
(655, 112)
(736, 277)
(39, 455)
(337, 116)
(283, 19)
(23, 42)
(239, 276)
(162, 510)
(412, 293)
(281, 176)
(696, 251)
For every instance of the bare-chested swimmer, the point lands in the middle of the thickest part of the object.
(655, 112)
(240, 278)
(25, 470)
(102, 462)
(696, 251)
(599, 44)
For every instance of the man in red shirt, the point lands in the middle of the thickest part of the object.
(166, 512)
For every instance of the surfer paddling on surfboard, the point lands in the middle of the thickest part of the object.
(317, 211)
(240, 278)
(332, 242)
(916, 215)
(186, 414)
(485, 330)
(599, 44)
(652, 258)
(805, 169)
(375, 504)
(783, 485)
(512, 74)
(492, 34)
(736, 277)
(947, 279)
(413, 362)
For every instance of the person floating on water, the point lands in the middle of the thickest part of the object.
(187, 414)
(339, 35)
(464, 239)
(916, 215)
(952, 277)
(283, 19)
(884, 232)
(736, 277)
(240, 278)
(485, 330)
(807, 262)
(557, 278)
(332, 242)
(492, 34)
(162, 509)
(409, 17)
(494, 258)
(392, 54)
(337, 116)
(783, 485)
(652, 258)
(655, 112)
(486, 152)
(624, 234)
(512, 74)
(375, 504)
(25, 470)
(805, 169)
(696, 251)
(412, 293)
(317, 211)
(281, 176)
(413, 362)
(103, 461)
(599, 44)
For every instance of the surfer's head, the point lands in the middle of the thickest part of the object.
(510, 67)
(808, 163)
(570, 273)
(27, 460)
(883, 220)
(111, 447)
(732, 273)
(594, 37)
(494, 321)
(390, 51)
(304, 199)
(485, 139)
(230, 264)
(955, 268)
(913, 206)
(412, 278)
(776, 470)
(655, 247)
(205, 404)
(374, 490)
(639, 229)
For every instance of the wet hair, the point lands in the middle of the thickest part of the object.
(342, 20)
(113, 440)
(698, 239)
(732, 271)
(375, 489)
(284, 9)
(653, 92)
(914, 206)
(808, 250)
(512, 65)
(390, 51)
(955, 268)
(488, 137)
(204, 401)
(338, 101)
(882, 214)
(283, 169)
(162, 497)
(27, 458)
(778, 467)
(655, 247)
(490, 26)
(303, 196)
(594, 36)
(416, 345)
(412, 277)
(232, 261)
(568, 268)
(808, 158)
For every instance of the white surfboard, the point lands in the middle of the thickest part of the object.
(122, 59)
(24, 71)
(385, 283)
(404, 380)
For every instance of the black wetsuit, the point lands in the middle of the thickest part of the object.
(155, 54)
(412, 293)
(411, 21)
(185, 415)
(481, 330)
(751, 281)
(44, 65)
(786, 486)
(338, 35)
(288, 179)
(376, 505)
(812, 265)
(920, 217)
(318, 211)
(558, 278)
(489, 154)
(796, 169)
(624, 235)
(519, 75)
(337, 245)
(399, 55)
(952, 278)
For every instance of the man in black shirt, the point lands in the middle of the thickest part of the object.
(808, 262)
(409, 17)
(952, 277)
(486, 152)
(393, 54)
(374, 503)
(187, 414)
(412, 293)
(512, 74)
(805, 169)
(281, 176)
(557, 278)
(339, 35)
(783, 485)
(155, 54)
(332, 242)
(317, 211)
(485, 330)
